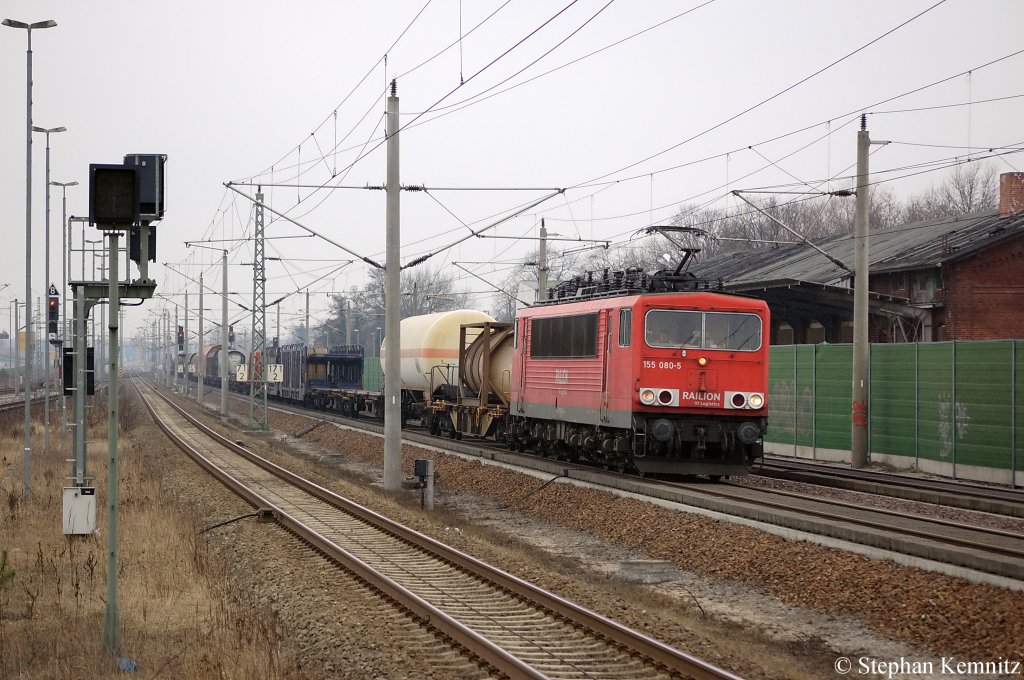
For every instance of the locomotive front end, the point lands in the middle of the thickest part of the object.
(701, 388)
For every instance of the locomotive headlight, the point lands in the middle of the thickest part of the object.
(647, 396)
(703, 361)
(756, 400)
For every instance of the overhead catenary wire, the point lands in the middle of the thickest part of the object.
(367, 260)
(573, 220)
(769, 98)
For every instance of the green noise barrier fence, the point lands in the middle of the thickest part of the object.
(957, 403)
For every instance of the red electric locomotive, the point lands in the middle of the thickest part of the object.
(670, 382)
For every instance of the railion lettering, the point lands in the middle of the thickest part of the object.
(702, 396)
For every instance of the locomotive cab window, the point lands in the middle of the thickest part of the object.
(729, 330)
(703, 330)
(625, 326)
(673, 328)
(563, 337)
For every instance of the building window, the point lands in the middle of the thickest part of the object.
(784, 334)
(815, 333)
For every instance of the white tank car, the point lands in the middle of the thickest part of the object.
(430, 347)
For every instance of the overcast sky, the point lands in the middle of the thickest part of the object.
(636, 108)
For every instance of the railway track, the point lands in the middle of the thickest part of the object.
(998, 500)
(961, 545)
(510, 625)
(989, 550)
(18, 405)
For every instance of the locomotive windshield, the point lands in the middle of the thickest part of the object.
(703, 330)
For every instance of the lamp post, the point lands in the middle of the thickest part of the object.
(46, 283)
(65, 236)
(49, 23)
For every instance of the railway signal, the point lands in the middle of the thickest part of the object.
(113, 196)
(52, 312)
(181, 339)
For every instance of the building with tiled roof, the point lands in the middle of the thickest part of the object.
(952, 278)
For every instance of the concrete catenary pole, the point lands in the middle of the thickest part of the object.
(860, 414)
(223, 361)
(174, 350)
(17, 325)
(348, 321)
(542, 264)
(392, 320)
(184, 358)
(200, 357)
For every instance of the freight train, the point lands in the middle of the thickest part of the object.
(210, 356)
(655, 375)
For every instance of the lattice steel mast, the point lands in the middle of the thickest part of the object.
(257, 360)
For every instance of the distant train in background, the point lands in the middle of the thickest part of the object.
(632, 372)
(210, 356)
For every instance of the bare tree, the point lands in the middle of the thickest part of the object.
(424, 291)
(969, 188)
(505, 301)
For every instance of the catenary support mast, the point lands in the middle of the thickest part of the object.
(392, 309)
(859, 416)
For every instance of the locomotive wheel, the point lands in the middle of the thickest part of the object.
(458, 435)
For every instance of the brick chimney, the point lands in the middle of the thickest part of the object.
(1011, 193)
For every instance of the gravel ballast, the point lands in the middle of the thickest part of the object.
(758, 604)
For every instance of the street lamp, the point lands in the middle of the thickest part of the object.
(65, 232)
(46, 284)
(49, 23)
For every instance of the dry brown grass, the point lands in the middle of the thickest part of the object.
(177, 617)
